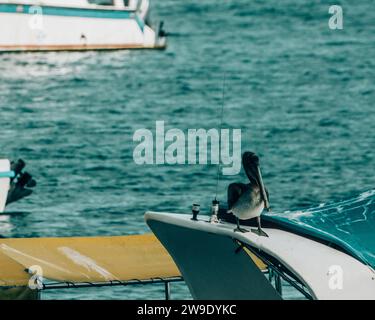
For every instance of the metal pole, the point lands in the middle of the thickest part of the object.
(270, 274)
(70, 285)
(278, 285)
(167, 288)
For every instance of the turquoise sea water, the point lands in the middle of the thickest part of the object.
(302, 94)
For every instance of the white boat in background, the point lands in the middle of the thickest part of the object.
(51, 25)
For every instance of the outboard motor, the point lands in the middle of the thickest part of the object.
(161, 33)
(21, 184)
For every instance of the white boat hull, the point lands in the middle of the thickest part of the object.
(213, 268)
(68, 28)
(210, 265)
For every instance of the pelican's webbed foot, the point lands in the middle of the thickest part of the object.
(239, 229)
(259, 232)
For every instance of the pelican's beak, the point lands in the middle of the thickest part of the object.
(263, 190)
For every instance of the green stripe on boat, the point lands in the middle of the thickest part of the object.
(74, 12)
(7, 174)
(69, 11)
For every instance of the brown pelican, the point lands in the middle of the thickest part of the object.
(247, 201)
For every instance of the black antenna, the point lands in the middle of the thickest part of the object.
(221, 125)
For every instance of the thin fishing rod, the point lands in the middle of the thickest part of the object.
(221, 125)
